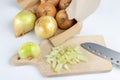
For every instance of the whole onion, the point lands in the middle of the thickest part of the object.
(24, 22)
(45, 27)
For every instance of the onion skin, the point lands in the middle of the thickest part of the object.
(46, 9)
(24, 22)
(45, 27)
(63, 20)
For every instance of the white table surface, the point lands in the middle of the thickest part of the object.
(104, 21)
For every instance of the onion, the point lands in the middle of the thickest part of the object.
(45, 27)
(24, 22)
(46, 9)
(29, 50)
(54, 2)
(59, 57)
(63, 20)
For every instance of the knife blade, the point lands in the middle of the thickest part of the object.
(103, 52)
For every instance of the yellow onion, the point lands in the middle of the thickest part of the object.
(45, 27)
(29, 50)
(24, 22)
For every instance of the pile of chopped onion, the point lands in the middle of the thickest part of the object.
(60, 58)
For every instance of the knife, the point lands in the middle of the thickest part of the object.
(103, 52)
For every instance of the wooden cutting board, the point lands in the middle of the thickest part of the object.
(95, 64)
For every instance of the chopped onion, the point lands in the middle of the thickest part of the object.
(60, 58)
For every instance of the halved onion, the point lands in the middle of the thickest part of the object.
(29, 50)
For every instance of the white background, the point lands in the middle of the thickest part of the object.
(104, 21)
